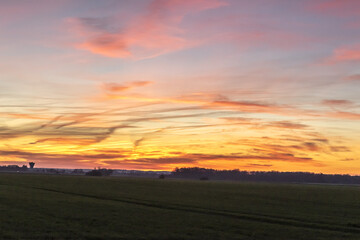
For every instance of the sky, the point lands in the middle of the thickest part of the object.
(255, 85)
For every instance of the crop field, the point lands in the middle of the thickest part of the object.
(79, 207)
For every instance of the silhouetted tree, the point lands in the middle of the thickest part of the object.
(100, 172)
(13, 168)
(78, 171)
(271, 176)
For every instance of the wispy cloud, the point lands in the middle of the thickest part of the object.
(345, 54)
(150, 34)
(341, 8)
(345, 115)
(260, 124)
(117, 87)
(355, 77)
(235, 86)
(191, 159)
(46, 158)
(337, 102)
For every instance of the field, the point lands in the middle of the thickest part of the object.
(79, 207)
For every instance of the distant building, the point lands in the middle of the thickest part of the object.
(31, 164)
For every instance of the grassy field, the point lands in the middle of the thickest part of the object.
(79, 207)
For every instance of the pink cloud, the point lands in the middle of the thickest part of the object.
(250, 106)
(336, 102)
(115, 87)
(13, 11)
(336, 7)
(154, 33)
(279, 39)
(355, 77)
(345, 54)
(345, 115)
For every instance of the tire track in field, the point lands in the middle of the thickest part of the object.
(240, 216)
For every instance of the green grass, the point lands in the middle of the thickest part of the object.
(73, 207)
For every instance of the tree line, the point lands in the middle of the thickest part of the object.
(263, 176)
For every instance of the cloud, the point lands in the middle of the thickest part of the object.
(77, 118)
(208, 102)
(26, 116)
(260, 124)
(287, 124)
(269, 146)
(336, 102)
(138, 141)
(270, 156)
(162, 160)
(150, 34)
(50, 122)
(67, 140)
(18, 11)
(261, 107)
(311, 146)
(123, 158)
(147, 136)
(344, 54)
(59, 159)
(211, 101)
(200, 158)
(344, 115)
(116, 87)
(83, 129)
(110, 131)
(269, 37)
(339, 149)
(258, 165)
(247, 106)
(355, 77)
(341, 8)
(323, 140)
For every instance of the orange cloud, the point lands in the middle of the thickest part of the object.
(339, 149)
(287, 125)
(345, 115)
(67, 160)
(68, 140)
(124, 160)
(109, 45)
(193, 159)
(26, 116)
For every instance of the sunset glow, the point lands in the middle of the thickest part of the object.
(159, 84)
